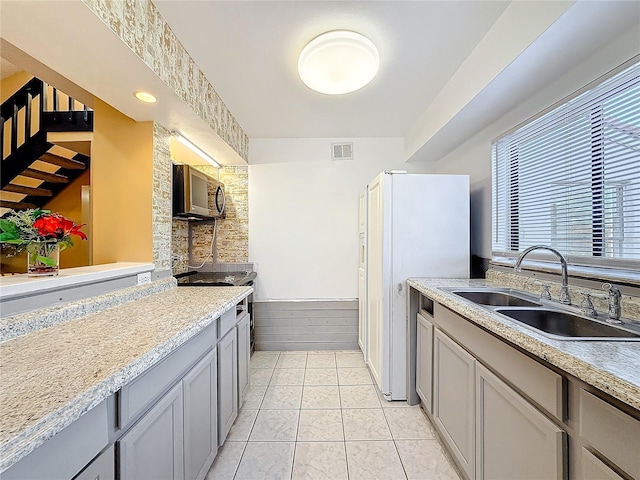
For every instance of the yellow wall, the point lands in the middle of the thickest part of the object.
(121, 187)
(12, 84)
(69, 204)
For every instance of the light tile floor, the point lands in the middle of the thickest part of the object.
(317, 415)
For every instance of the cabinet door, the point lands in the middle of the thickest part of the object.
(227, 384)
(362, 311)
(199, 389)
(103, 467)
(514, 440)
(454, 399)
(244, 356)
(153, 447)
(424, 362)
(594, 469)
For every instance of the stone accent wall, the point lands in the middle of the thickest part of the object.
(140, 26)
(180, 246)
(232, 244)
(232, 236)
(161, 202)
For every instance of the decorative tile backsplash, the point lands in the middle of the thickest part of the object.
(232, 236)
(180, 246)
(140, 26)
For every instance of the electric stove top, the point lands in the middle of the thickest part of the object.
(215, 279)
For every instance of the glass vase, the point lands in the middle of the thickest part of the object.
(43, 259)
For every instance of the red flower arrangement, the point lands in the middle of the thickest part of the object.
(23, 228)
(57, 227)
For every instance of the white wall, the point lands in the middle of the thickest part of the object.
(474, 156)
(303, 213)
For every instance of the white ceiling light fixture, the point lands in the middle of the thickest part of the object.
(189, 144)
(145, 97)
(338, 62)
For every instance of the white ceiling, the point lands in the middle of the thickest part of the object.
(448, 68)
(249, 49)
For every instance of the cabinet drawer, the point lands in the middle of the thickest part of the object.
(542, 385)
(226, 322)
(136, 396)
(610, 431)
(66, 453)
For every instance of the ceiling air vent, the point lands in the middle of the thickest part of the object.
(342, 151)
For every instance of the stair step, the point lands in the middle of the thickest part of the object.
(34, 191)
(47, 177)
(63, 162)
(16, 205)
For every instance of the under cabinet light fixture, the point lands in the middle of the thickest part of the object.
(191, 146)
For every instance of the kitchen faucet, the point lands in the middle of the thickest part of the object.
(614, 302)
(565, 298)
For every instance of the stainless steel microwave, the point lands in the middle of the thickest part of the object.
(196, 195)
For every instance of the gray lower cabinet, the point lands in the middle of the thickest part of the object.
(227, 383)
(454, 398)
(513, 439)
(424, 361)
(199, 389)
(610, 432)
(594, 469)
(103, 467)
(66, 453)
(244, 357)
(153, 448)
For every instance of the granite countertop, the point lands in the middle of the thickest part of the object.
(51, 376)
(611, 366)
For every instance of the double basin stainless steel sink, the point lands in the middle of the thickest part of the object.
(555, 321)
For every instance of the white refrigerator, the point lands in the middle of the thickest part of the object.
(417, 225)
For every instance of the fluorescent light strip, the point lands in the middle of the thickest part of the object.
(196, 150)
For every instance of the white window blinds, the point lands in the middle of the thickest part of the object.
(571, 178)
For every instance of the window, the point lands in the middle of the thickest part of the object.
(570, 179)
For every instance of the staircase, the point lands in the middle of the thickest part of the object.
(45, 140)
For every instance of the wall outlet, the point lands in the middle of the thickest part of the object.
(144, 278)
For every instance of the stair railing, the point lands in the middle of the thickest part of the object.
(11, 114)
(17, 115)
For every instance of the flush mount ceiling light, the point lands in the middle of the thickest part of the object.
(338, 62)
(145, 97)
(187, 143)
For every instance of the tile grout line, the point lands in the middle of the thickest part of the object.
(244, 449)
(344, 433)
(395, 445)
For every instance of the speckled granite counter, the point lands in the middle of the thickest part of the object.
(50, 377)
(613, 367)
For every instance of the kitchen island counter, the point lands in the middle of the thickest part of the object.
(52, 376)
